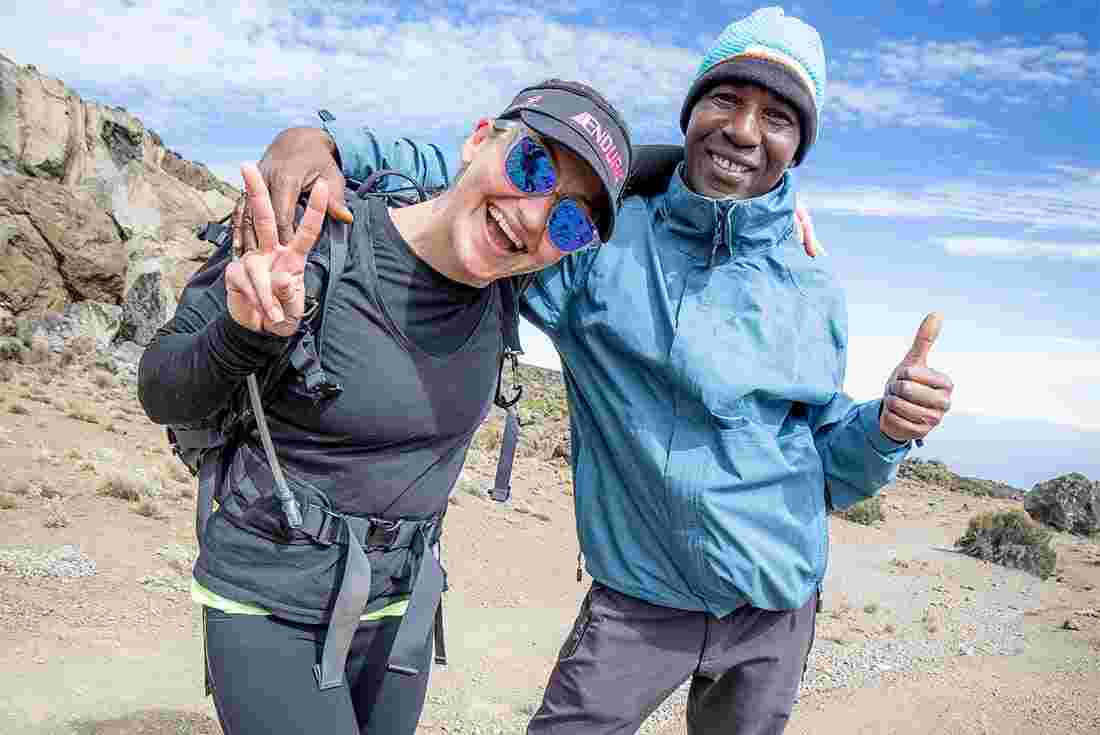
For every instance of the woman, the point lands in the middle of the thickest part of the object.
(412, 333)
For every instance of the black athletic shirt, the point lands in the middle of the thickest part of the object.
(416, 354)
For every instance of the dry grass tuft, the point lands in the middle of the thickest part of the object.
(149, 508)
(82, 411)
(39, 351)
(866, 512)
(56, 516)
(103, 380)
(18, 409)
(122, 486)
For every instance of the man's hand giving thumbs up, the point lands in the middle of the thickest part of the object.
(916, 396)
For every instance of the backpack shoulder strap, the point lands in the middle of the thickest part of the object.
(337, 259)
(652, 169)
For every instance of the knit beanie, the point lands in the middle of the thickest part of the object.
(778, 52)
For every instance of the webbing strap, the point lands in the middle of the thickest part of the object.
(350, 601)
(337, 257)
(502, 486)
(415, 627)
(208, 480)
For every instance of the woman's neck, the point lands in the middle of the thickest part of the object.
(424, 227)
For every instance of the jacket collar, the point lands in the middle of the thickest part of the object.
(736, 226)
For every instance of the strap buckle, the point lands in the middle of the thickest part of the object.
(383, 533)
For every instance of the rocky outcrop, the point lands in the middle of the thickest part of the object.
(1069, 503)
(93, 208)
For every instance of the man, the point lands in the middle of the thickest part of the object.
(704, 356)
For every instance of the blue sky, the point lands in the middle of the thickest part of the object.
(957, 167)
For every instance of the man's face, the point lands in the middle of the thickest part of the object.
(739, 141)
(498, 231)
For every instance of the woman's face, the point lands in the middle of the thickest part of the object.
(497, 231)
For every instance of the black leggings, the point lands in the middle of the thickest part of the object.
(261, 670)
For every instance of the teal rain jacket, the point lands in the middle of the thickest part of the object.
(704, 354)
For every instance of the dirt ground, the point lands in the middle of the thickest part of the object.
(118, 652)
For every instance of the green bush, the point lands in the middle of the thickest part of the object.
(868, 512)
(1010, 538)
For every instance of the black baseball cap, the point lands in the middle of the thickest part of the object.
(574, 116)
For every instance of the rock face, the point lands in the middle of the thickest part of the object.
(93, 208)
(1069, 503)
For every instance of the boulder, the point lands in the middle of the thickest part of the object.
(1069, 503)
(143, 195)
(55, 247)
(97, 322)
(149, 303)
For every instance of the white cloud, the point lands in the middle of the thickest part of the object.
(1063, 60)
(885, 105)
(975, 246)
(192, 67)
(1064, 200)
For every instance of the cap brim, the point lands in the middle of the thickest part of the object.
(561, 133)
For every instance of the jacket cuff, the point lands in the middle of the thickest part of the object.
(889, 449)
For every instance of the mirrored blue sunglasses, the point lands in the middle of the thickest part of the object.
(530, 169)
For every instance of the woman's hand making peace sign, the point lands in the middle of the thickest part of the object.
(265, 287)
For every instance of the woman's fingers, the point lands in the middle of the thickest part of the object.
(309, 229)
(259, 209)
(258, 268)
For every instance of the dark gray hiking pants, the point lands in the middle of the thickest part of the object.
(625, 656)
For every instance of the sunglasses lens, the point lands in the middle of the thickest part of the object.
(530, 168)
(570, 228)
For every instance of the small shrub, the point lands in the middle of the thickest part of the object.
(18, 409)
(866, 512)
(870, 608)
(889, 629)
(8, 502)
(1010, 538)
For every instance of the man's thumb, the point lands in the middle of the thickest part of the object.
(926, 337)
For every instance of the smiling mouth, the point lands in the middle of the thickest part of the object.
(728, 166)
(501, 231)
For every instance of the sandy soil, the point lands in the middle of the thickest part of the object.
(119, 652)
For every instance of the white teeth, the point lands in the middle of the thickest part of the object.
(728, 165)
(500, 220)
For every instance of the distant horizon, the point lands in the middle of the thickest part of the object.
(1017, 452)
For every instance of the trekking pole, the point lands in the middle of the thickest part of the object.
(286, 498)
